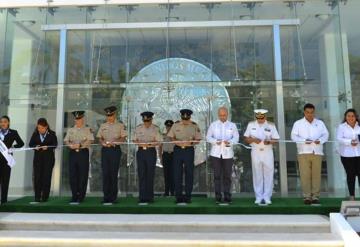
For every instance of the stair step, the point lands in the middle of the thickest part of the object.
(109, 239)
(167, 223)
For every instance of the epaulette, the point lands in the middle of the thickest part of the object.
(178, 121)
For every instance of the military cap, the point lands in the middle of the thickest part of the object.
(78, 114)
(260, 111)
(186, 112)
(147, 115)
(110, 110)
(169, 123)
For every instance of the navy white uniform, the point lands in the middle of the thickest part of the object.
(262, 158)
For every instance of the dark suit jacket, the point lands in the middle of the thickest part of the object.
(11, 137)
(50, 140)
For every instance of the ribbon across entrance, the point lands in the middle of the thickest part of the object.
(5, 152)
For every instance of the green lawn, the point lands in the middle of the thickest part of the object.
(163, 205)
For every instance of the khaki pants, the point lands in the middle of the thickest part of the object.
(310, 174)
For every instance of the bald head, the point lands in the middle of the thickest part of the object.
(223, 114)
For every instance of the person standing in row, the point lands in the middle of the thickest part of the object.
(261, 135)
(111, 134)
(44, 141)
(347, 134)
(185, 134)
(147, 136)
(222, 134)
(166, 151)
(310, 134)
(79, 139)
(8, 137)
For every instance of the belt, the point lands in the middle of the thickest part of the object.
(146, 148)
(184, 147)
(79, 150)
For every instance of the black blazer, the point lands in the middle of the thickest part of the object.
(11, 137)
(50, 140)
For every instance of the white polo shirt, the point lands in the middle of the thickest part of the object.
(316, 130)
(224, 131)
(265, 131)
(345, 134)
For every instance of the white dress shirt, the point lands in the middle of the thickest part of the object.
(265, 131)
(345, 134)
(304, 130)
(222, 131)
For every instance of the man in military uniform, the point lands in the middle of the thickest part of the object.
(147, 136)
(111, 134)
(261, 135)
(78, 139)
(166, 151)
(185, 134)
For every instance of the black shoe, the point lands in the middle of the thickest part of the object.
(307, 201)
(218, 200)
(187, 200)
(315, 201)
(179, 200)
(228, 200)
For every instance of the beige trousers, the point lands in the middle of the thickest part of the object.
(310, 174)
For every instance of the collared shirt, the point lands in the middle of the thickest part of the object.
(43, 136)
(111, 132)
(345, 134)
(222, 131)
(83, 136)
(3, 133)
(147, 134)
(263, 132)
(303, 130)
(185, 132)
(167, 146)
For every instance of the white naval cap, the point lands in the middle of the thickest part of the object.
(260, 111)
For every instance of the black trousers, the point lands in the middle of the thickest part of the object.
(222, 176)
(352, 169)
(42, 170)
(168, 167)
(146, 162)
(78, 173)
(5, 172)
(110, 163)
(183, 160)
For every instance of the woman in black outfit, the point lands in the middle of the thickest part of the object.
(8, 136)
(44, 141)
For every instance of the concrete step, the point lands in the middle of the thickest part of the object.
(167, 223)
(77, 230)
(110, 239)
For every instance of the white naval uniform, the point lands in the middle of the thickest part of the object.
(262, 158)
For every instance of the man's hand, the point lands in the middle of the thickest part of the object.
(317, 142)
(44, 148)
(256, 140)
(37, 148)
(354, 143)
(308, 141)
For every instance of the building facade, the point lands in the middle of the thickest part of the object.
(163, 55)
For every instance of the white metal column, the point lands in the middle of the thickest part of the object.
(280, 108)
(60, 112)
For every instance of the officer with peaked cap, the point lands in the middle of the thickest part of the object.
(185, 133)
(111, 134)
(261, 135)
(78, 139)
(147, 136)
(166, 151)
